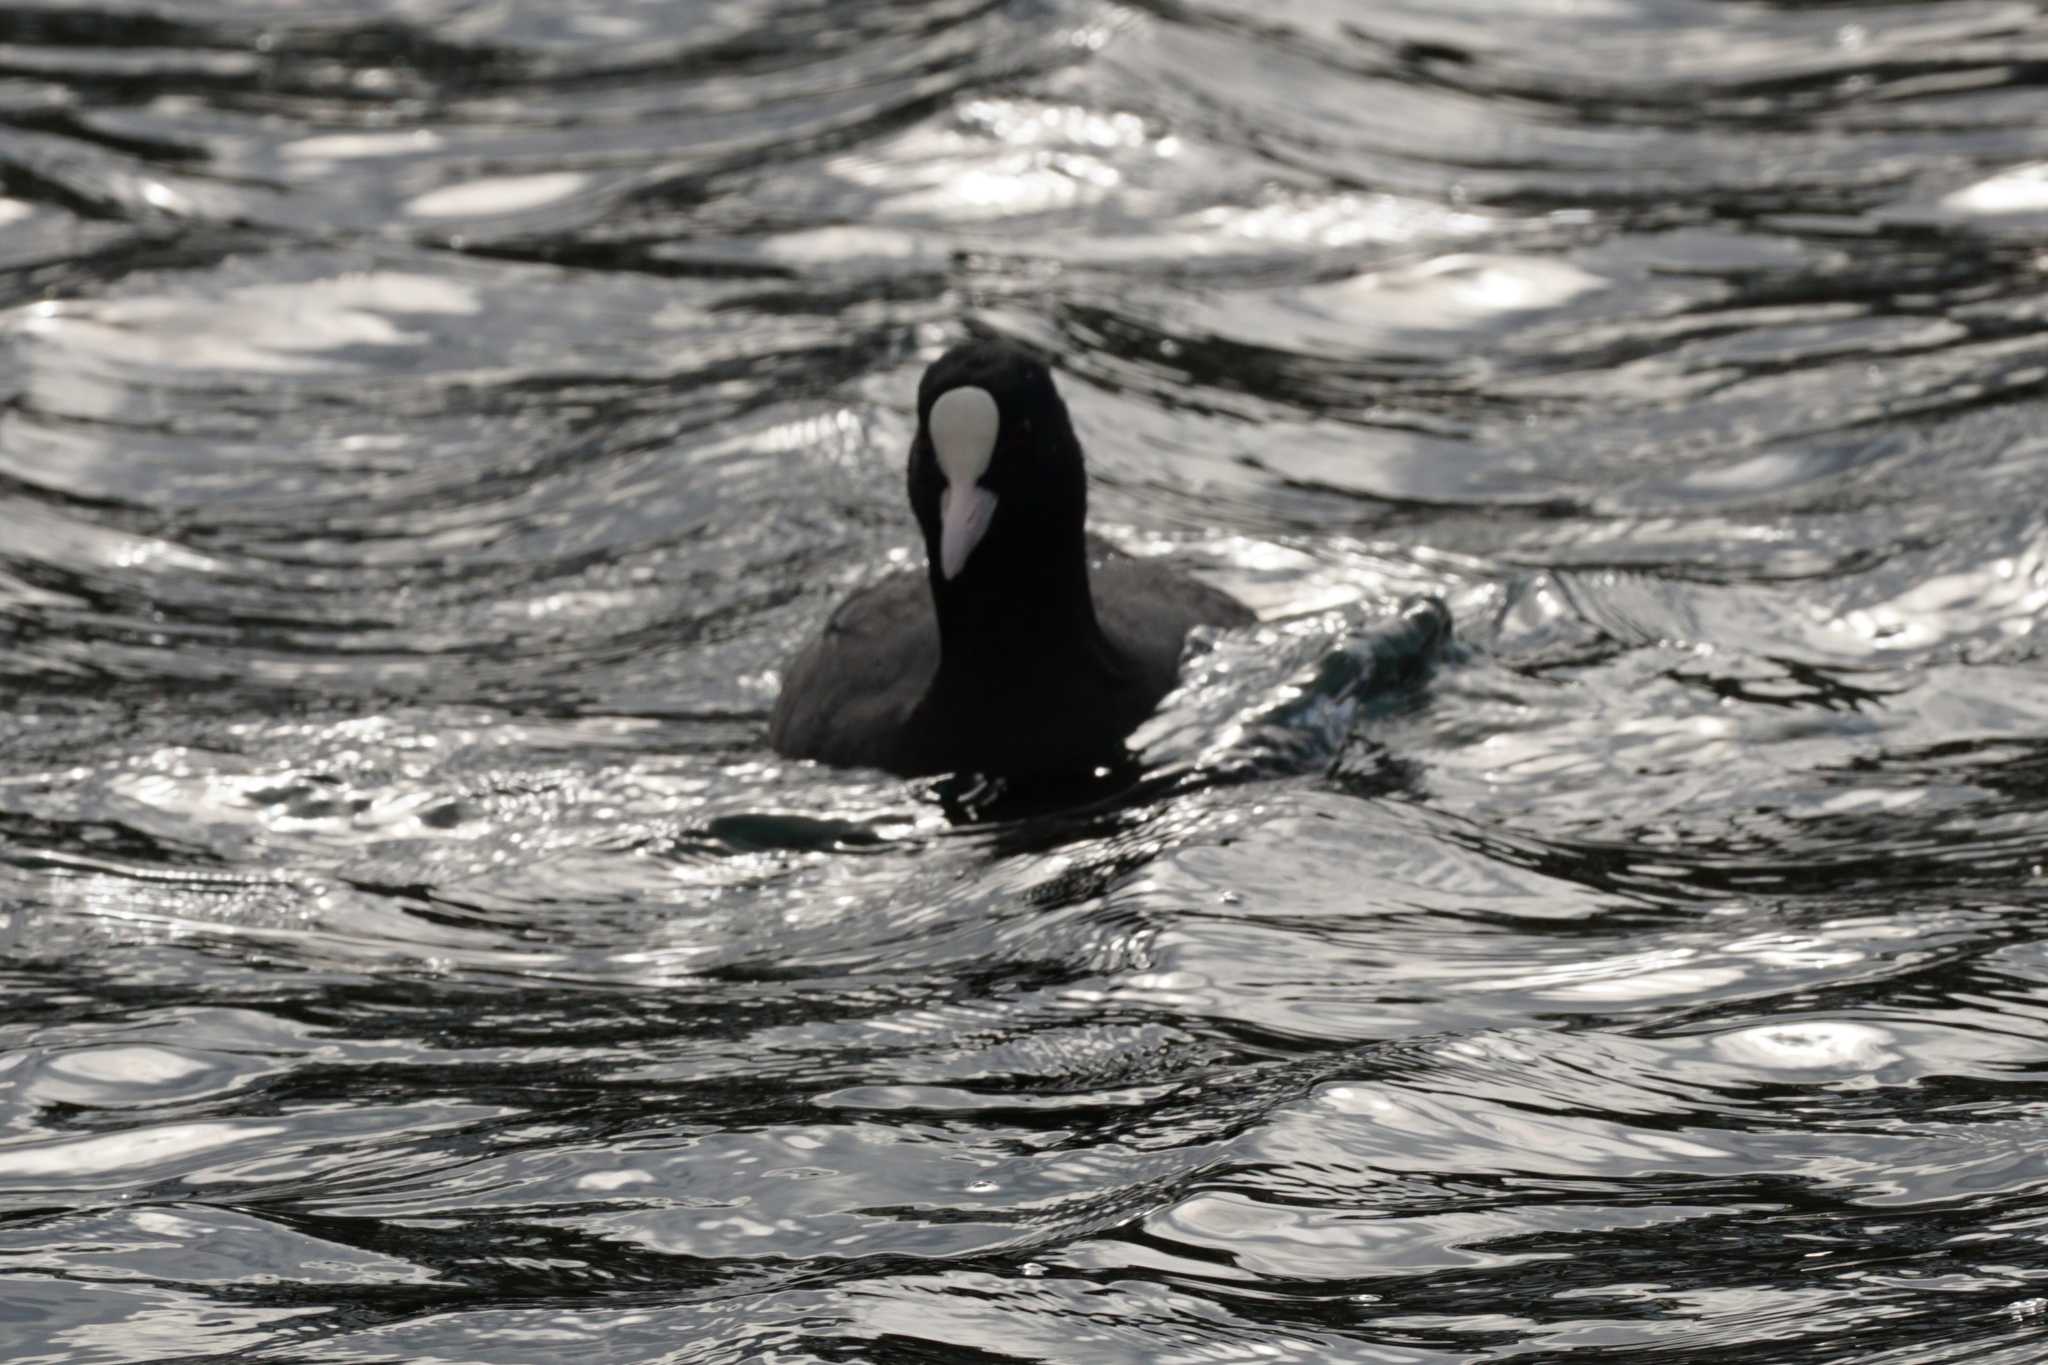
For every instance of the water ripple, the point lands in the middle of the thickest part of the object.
(1596, 912)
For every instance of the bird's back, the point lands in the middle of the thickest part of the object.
(848, 695)
(1146, 609)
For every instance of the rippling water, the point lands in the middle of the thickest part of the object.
(429, 425)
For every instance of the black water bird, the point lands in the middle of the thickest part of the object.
(1026, 648)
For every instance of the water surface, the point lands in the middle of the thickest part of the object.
(429, 426)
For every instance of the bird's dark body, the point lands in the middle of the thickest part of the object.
(874, 695)
(1044, 652)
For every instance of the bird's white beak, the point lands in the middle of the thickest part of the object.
(963, 520)
(963, 424)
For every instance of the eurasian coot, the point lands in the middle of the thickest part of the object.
(1026, 649)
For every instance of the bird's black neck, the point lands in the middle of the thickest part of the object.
(1004, 616)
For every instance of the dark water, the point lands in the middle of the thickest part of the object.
(428, 425)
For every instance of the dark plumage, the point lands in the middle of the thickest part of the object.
(1041, 651)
